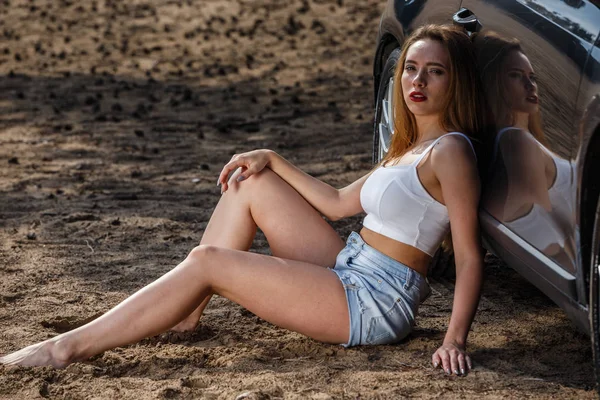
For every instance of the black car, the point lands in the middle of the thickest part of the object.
(540, 210)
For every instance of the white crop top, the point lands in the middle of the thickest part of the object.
(399, 207)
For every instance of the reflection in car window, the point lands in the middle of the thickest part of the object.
(530, 188)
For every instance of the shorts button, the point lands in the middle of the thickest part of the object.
(379, 281)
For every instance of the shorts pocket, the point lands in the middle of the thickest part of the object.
(392, 326)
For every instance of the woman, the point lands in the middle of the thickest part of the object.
(372, 293)
(530, 189)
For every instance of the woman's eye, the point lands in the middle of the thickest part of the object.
(409, 68)
(533, 78)
(436, 71)
(514, 74)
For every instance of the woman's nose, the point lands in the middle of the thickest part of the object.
(419, 80)
(529, 85)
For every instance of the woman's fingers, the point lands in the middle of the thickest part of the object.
(452, 360)
(245, 173)
(228, 169)
(446, 362)
(462, 364)
(236, 175)
(249, 163)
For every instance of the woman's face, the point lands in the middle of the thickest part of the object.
(519, 84)
(426, 77)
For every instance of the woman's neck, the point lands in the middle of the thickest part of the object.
(429, 128)
(516, 120)
(521, 120)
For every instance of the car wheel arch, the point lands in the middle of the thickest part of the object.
(387, 44)
(588, 199)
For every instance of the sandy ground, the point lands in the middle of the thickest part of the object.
(115, 118)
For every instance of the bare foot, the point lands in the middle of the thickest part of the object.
(190, 323)
(187, 325)
(52, 352)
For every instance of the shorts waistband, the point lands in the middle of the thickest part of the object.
(386, 263)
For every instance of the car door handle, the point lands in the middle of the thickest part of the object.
(465, 18)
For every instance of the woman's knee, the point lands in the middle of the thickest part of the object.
(201, 262)
(202, 258)
(203, 252)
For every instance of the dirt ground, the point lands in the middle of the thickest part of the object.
(115, 119)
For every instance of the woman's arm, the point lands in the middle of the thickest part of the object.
(526, 183)
(455, 167)
(331, 202)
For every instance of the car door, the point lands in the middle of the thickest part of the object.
(529, 205)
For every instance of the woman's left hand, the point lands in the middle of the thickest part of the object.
(452, 358)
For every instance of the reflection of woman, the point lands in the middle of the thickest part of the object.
(428, 185)
(530, 187)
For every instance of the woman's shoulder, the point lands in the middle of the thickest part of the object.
(515, 140)
(455, 143)
(452, 149)
(515, 133)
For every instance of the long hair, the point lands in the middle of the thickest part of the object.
(492, 51)
(464, 107)
(464, 110)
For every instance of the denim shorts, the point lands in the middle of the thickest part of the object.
(383, 294)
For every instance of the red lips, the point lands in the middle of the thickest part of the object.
(532, 99)
(417, 97)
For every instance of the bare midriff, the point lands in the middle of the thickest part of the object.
(404, 253)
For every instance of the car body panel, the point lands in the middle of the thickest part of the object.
(520, 255)
(556, 38)
(587, 160)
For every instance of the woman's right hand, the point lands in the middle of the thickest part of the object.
(250, 163)
(452, 358)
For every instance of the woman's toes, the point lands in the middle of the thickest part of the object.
(48, 353)
(185, 326)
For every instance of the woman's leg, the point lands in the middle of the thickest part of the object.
(296, 295)
(293, 228)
